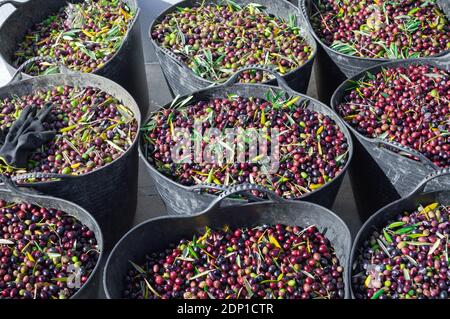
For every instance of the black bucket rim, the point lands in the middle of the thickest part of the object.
(302, 6)
(343, 86)
(171, 55)
(204, 212)
(74, 74)
(337, 119)
(119, 50)
(99, 237)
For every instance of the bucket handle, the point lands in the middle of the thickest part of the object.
(209, 186)
(18, 74)
(401, 148)
(420, 188)
(173, 57)
(303, 11)
(302, 6)
(41, 175)
(244, 189)
(8, 183)
(281, 82)
(15, 4)
(443, 61)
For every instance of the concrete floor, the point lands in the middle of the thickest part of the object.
(149, 202)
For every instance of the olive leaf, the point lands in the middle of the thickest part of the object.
(151, 288)
(387, 236)
(248, 288)
(435, 246)
(404, 230)
(202, 274)
(75, 17)
(340, 157)
(378, 293)
(53, 255)
(307, 274)
(89, 53)
(6, 242)
(344, 48)
(138, 268)
(383, 247)
(395, 225)
(411, 260)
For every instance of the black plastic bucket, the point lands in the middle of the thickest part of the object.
(182, 80)
(181, 199)
(110, 192)
(156, 234)
(419, 196)
(10, 193)
(333, 67)
(378, 174)
(126, 67)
